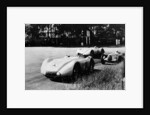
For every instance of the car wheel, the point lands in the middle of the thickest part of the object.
(91, 68)
(76, 72)
(99, 54)
(119, 59)
(110, 58)
(92, 53)
(102, 59)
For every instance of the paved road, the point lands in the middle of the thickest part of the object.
(34, 57)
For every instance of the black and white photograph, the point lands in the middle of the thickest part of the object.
(74, 56)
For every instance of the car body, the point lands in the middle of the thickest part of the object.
(112, 57)
(70, 66)
(94, 51)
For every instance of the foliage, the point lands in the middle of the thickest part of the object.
(73, 34)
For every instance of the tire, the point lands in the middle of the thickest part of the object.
(100, 55)
(119, 59)
(92, 53)
(110, 58)
(102, 59)
(91, 67)
(76, 72)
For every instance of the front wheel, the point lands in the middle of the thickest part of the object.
(102, 59)
(109, 58)
(76, 72)
(119, 59)
(92, 53)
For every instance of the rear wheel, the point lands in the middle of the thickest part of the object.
(91, 68)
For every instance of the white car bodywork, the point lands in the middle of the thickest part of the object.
(89, 51)
(113, 57)
(64, 66)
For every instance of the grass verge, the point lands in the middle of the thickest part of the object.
(106, 77)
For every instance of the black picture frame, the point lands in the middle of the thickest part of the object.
(108, 3)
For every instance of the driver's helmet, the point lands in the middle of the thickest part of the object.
(117, 52)
(80, 55)
(95, 46)
(67, 56)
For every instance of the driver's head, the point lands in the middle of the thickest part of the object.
(80, 55)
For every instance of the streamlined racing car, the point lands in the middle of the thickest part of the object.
(71, 66)
(112, 57)
(94, 52)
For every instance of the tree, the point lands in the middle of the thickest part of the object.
(72, 34)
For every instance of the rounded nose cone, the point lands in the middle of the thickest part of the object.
(43, 71)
